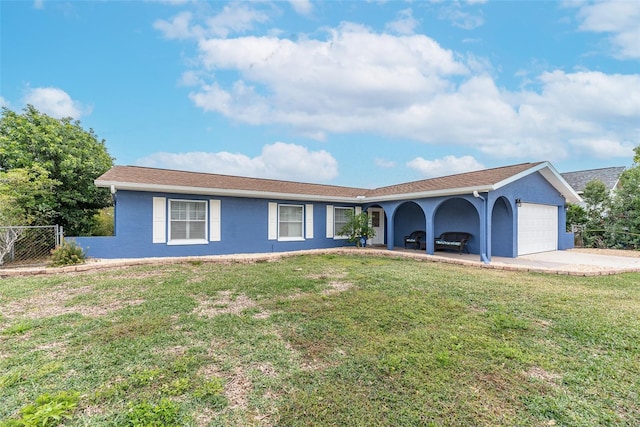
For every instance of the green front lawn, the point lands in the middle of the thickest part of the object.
(320, 340)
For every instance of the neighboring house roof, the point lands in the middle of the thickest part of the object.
(579, 179)
(163, 180)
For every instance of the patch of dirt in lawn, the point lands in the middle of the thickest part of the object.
(337, 287)
(204, 417)
(128, 274)
(57, 301)
(543, 323)
(329, 274)
(53, 349)
(542, 375)
(265, 314)
(225, 304)
(237, 385)
(267, 369)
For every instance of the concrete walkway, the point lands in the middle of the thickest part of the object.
(572, 262)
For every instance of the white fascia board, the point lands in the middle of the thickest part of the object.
(223, 192)
(428, 194)
(561, 185)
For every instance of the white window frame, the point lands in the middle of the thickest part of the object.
(302, 224)
(337, 228)
(200, 241)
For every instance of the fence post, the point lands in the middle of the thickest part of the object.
(59, 235)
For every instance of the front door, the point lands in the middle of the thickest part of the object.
(376, 217)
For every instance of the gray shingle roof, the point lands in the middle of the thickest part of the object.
(579, 179)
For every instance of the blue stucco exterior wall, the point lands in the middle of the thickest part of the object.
(244, 229)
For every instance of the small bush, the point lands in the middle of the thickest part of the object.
(68, 253)
(165, 413)
(49, 410)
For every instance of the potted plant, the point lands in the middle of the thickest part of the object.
(357, 229)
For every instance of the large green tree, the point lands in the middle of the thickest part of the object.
(71, 157)
(625, 207)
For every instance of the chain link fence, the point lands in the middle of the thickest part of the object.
(24, 246)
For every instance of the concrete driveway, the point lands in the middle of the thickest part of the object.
(573, 261)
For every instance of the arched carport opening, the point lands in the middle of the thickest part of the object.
(458, 214)
(408, 217)
(502, 238)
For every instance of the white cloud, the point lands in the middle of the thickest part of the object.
(38, 4)
(277, 161)
(603, 148)
(409, 87)
(617, 18)
(448, 165)
(404, 24)
(349, 81)
(302, 7)
(4, 103)
(386, 164)
(179, 27)
(234, 18)
(55, 102)
(461, 18)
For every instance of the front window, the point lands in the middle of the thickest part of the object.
(290, 222)
(188, 221)
(340, 219)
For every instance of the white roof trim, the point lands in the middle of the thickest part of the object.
(427, 194)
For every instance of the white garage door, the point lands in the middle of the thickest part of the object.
(537, 228)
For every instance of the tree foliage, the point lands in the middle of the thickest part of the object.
(72, 159)
(625, 206)
(611, 220)
(357, 226)
(26, 196)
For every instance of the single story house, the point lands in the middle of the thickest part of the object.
(509, 211)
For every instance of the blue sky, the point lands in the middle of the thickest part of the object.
(348, 93)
